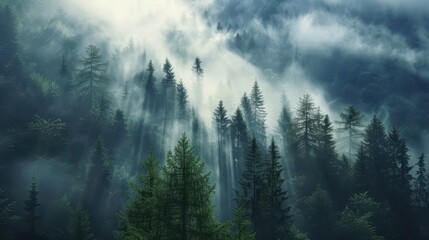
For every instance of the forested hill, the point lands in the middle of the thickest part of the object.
(182, 134)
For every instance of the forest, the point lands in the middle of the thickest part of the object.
(92, 147)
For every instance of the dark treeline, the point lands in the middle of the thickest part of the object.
(74, 165)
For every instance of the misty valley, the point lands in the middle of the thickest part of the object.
(241, 120)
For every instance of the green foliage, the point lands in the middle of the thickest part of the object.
(47, 87)
(186, 197)
(420, 183)
(8, 219)
(139, 219)
(50, 134)
(359, 218)
(319, 214)
(80, 225)
(351, 125)
(241, 227)
(91, 79)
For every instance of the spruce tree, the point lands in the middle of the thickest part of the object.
(420, 183)
(241, 227)
(375, 149)
(150, 88)
(221, 122)
(80, 225)
(247, 112)
(31, 218)
(91, 78)
(140, 217)
(251, 187)
(275, 213)
(239, 142)
(98, 180)
(351, 124)
(258, 114)
(9, 61)
(199, 76)
(306, 134)
(169, 87)
(186, 197)
(182, 102)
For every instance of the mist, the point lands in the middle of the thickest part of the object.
(318, 78)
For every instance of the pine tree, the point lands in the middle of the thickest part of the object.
(169, 86)
(275, 214)
(140, 218)
(306, 134)
(247, 111)
(351, 123)
(9, 61)
(258, 114)
(31, 218)
(119, 127)
(251, 186)
(80, 225)
(239, 142)
(221, 122)
(326, 156)
(150, 89)
(420, 183)
(375, 149)
(398, 167)
(186, 197)
(92, 78)
(241, 227)
(199, 76)
(360, 171)
(197, 68)
(98, 180)
(182, 102)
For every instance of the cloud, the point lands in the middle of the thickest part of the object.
(320, 32)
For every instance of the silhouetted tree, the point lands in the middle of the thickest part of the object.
(80, 225)
(221, 122)
(351, 124)
(239, 142)
(182, 102)
(92, 78)
(31, 218)
(420, 183)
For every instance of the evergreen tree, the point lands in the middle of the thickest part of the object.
(140, 215)
(150, 89)
(398, 167)
(326, 156)
(92, 78)
(197, 68)
(31, 218)
(351, 124)
(221, 122)
(375, 150)
(306, 134)
(199, 76)
(8, 219)
(251, 187)
(241, 227)
(169, 87)
(119, 127)
(239, 142)
(286, 131)
(247, 111)
(275, 214)
(98, 180)
(186, 197)
(421, 195)
(182, 102)
(80, 225)
(360, 171)
(9, 61)
(258, 114)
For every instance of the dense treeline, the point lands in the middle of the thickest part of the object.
(228, 181)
